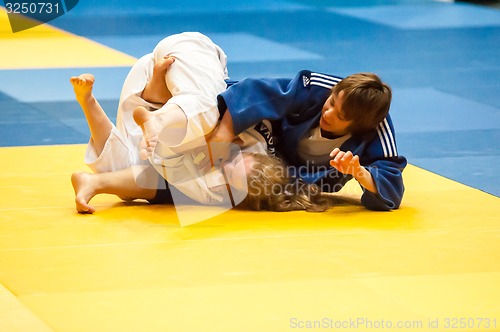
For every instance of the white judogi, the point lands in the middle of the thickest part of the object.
(194, 80)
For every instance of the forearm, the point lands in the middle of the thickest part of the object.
(219, 140)
(365, 179)
(225, 130)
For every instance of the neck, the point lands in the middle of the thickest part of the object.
(329, 135)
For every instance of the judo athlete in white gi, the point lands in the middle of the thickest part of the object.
(194, 81)
(194, 70)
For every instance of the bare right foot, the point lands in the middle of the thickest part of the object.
(156, 90)
(82, 85)
(100, 125)
(83, 184)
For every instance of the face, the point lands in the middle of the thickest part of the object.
(332, 119)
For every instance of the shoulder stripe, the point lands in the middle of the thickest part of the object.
(387, 139)
(391, 137)
(324, 81)
(327, 86)
(328, 77)
(390, 152)
(380, 136)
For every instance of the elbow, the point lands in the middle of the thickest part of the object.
(382, 202)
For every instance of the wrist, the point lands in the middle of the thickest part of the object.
(365, 179)
(361, 173)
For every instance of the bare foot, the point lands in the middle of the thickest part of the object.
(160, 68)
(83, 184)
(156, 90)
(82, 85)
(150, 135)
(162, 129)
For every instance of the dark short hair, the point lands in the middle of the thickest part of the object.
(366, 101)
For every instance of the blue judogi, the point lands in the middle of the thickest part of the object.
(294, 107)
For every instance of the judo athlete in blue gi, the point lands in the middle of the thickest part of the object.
(328, 129)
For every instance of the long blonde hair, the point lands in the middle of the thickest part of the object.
(271, 188)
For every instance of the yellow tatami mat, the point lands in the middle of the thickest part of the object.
(131, 267)
(47, 47)
(14, 317)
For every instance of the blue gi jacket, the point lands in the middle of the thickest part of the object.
(294, 107)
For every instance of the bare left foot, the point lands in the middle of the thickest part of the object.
(83, 184)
